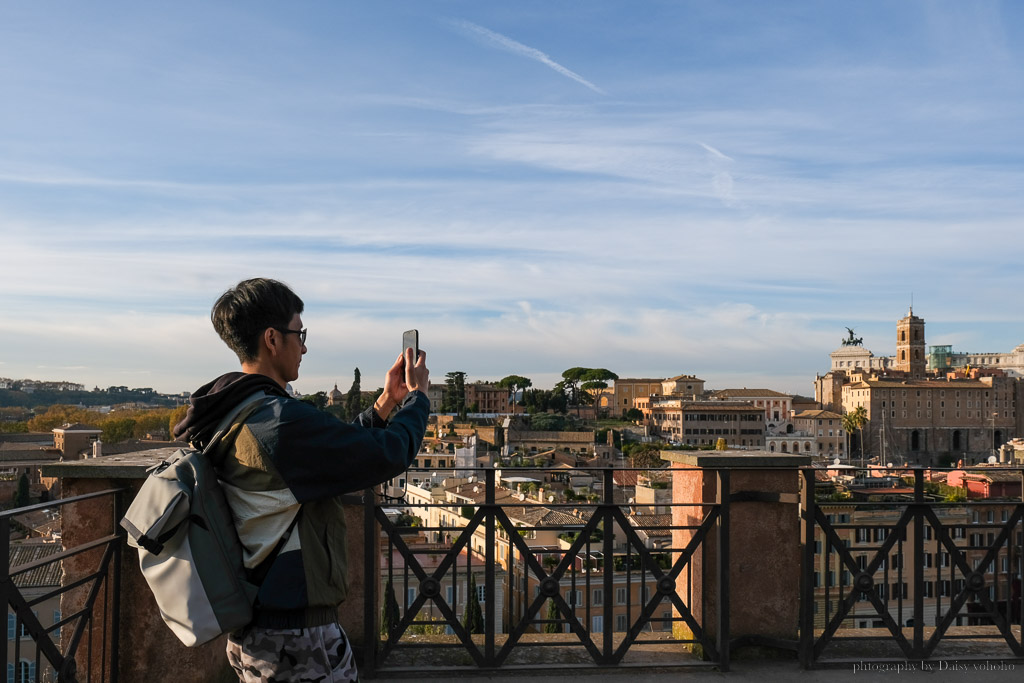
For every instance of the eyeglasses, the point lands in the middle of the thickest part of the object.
(301, 333)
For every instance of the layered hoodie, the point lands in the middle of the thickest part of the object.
(289, 462)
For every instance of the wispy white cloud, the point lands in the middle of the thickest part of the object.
(515, 47)
(675, 228)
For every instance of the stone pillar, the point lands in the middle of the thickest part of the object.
(763, 535)
(148, 650)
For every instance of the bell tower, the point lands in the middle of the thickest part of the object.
(910, 349)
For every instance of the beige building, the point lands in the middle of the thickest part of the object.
(634, 393)
(627, 391)
(1011, 363)
(909, 419)
(826, 428)
(75, 440)
(776, 405)
(915, 415)
(484, 397)
(702, 423)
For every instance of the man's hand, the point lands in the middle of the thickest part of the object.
(403, 377)
(417, 376)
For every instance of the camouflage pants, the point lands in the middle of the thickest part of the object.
(318, 654)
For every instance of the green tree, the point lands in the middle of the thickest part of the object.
(543, 400)
(455, 393)
(643, 456)
(472, 616)
(151, 421)
(855, 419)
(514, 383)
(21, 496)
(633, 415)
(552, 617)
(547, 422)
(571, 379)
(118, 429)
(177, 415)
(594, 381)
(353, 399)
(58, 415)
(317, 400)
(389, 615)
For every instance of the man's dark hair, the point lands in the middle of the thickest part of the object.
(245, 311)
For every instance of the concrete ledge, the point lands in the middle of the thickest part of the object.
(127, 466)
(736, 459)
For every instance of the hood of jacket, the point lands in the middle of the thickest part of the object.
(212, 401)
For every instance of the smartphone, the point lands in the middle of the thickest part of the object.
(411, 340)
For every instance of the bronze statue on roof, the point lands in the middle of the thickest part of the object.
(852, 340)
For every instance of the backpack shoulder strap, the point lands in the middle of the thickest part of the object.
(240, 413)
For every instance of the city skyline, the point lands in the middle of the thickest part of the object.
(702, 188)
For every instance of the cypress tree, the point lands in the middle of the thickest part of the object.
(472, 616)
(389, 616)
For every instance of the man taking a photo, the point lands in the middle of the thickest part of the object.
(283, 469)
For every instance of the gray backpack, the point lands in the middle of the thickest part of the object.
(188, 546)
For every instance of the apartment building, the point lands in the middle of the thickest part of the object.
(776, 405)
(911, 418)
(824, 429)
(702, 423)
(485, 397)
(633, 392)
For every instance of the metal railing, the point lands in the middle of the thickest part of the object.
(912, 575)
(497, 582)
(93, 626)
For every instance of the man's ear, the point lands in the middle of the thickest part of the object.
(270, 341)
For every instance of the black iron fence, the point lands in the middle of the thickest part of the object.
(42, 642)
(497, 576)
(915, 571)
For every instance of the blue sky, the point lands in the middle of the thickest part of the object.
(717, 188)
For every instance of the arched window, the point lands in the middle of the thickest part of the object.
(915, 440)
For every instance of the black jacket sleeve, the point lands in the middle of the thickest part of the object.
(319, 456)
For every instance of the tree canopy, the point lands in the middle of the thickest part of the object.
(514, 383)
